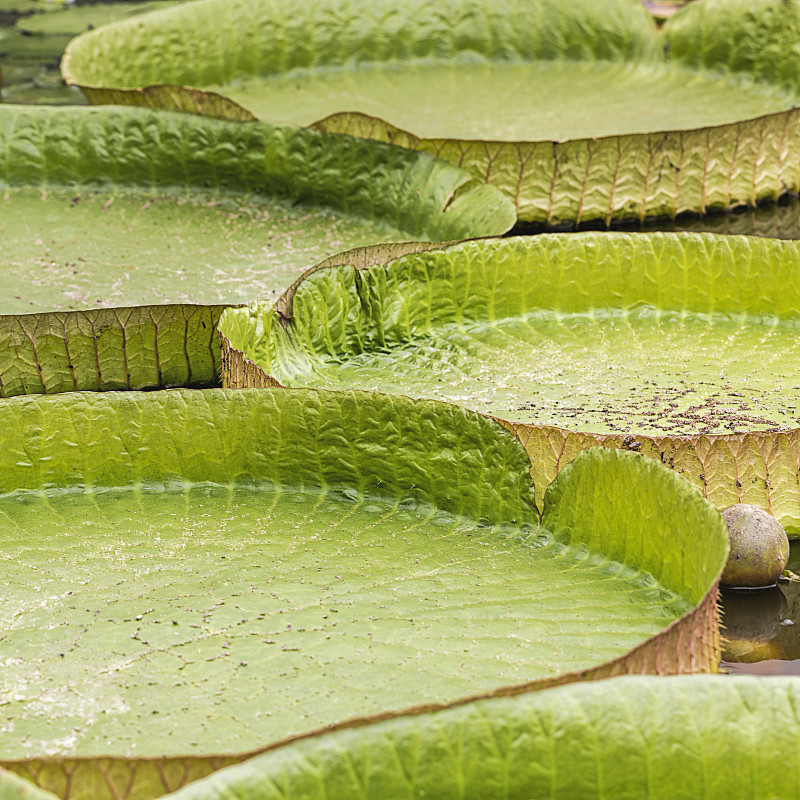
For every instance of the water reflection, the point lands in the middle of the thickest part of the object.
(761, 628)
(775, 220)
(779, 220)
(33, 36)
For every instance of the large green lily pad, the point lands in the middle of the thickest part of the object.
(678, 738)
(578, 111)
(194, 574)
(683, 346)
(110, 207)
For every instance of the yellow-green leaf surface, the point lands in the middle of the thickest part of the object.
(681, 346)
(13, 787)
(112, 207)
(579, 110)
(680, 738)
(195, 574)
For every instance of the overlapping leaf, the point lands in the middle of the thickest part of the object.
(553, 102)
(110, 207)
(678, 346)
(311, 537)
(671, 738)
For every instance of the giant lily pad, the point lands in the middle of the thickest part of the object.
(681, 346)
(318, 556)
(579, 110)
(678, 738)
(110, 207)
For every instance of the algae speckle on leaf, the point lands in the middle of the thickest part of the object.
(103, 249)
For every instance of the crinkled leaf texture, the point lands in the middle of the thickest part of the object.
(129, 148)
(675, 738)
(678, 346)
(595, 166)
(78, 183)
(93, 467)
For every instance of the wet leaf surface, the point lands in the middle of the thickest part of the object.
(213, 619)
(529, 101)
(109, 207)
(156, 590)
(76, 249)
(650, 335)
(590, 114)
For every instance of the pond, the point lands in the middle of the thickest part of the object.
(761, 628)
(33, 35)
(780, 220)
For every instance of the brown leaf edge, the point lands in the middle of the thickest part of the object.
(761, 468)
(688, 645)
(602, 180)
(612, 179)
(110, 349)
(168, 97)
(605, 180)
(360, 258)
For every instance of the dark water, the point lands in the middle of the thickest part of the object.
(774, 220)
(780, 220)
(30, 63)
(761, 628)
(33, 35)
